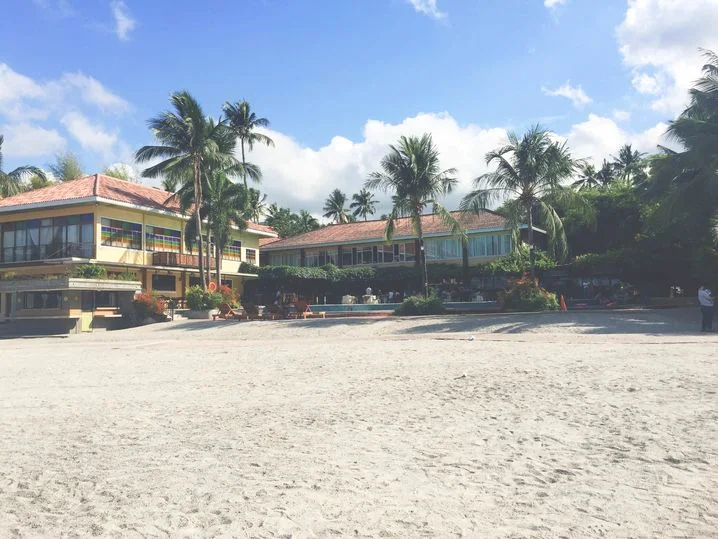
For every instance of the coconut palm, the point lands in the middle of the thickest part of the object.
(411, 172)
(607, 174)
(334, 207)
(243, 123)
(189, 142)
(363, 203)
(256, 203)
(588, 177)
(529, 172)
(686, 182)
(11, 183)
(629, 165)
(305, 222)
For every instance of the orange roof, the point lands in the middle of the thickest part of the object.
(99, 186)
(374, 230)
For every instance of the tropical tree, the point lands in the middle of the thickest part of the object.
(66, 167)
(38, 182)
(305, 222)
(189, 143)
(243, 123)
(11, 183)
(529, 173)
(629, 165)
(363, 203)
(587, 177)
(120, 172)
(606, 174)
(256, 203)
(411, 172)
(685, 182)
(334, 207)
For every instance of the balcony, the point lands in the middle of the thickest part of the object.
(178, 260)
(36, 253)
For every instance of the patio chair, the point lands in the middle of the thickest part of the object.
(227, 313)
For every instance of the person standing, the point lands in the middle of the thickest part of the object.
(705, 298)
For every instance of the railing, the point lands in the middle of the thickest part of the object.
(178, 260)
(33, 253)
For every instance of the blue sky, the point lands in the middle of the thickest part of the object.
(340, 80)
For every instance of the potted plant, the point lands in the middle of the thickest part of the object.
(202, 304)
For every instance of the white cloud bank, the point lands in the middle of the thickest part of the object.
(428, 7)
(552, 4)
(575, 94)
(659, 41)
(124, 23)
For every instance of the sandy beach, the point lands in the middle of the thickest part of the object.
(555, 425)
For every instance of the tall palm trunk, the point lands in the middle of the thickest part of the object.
(198, 221)
(209, 249)
(532, 259)
(244, 164)
(218, 262)
(422, 256)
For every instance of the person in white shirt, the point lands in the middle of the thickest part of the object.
(705, 298)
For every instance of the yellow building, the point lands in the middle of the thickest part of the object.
(125, 227)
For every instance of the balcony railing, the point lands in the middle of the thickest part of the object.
(178, 260)
(34, 253)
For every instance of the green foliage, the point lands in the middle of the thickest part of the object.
(287, 223)
(419, 305)
(363, 204)
(334, 207)
(119, 172)
(149, 306)
(527, 296)
(66, 167)
(124, 276)
(228, 296)
(201, 300)
(11, 183)
(90, 271)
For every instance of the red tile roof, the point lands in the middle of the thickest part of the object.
(106, 187)
(374, 230)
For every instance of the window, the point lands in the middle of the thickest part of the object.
(50, 238)
(490, 245)
(290, 258)
(164, 283)
(42, 300)
(121, 234)
(319, 257)
(106, 299)
(252, 256)
(444, 249)
(233, 251)
(347, 257)
(162, 239)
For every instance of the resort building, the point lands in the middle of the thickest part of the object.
(134, 231)
(363, 243)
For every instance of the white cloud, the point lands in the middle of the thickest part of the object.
(124, 23)
(428, 7)
(552, 4)
(659, 41)
(90, 136)
(621, 115)
(598, 137)
(93, 92)
(61, 8)
(24, 140)
(573, 93)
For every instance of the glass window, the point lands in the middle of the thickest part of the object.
(233, 251)
(444, 249)
(347, 257)
(284, 259)
(121, 234)
(251, 256)
(39, 239)
(162, 239)
(409, 252)
(164, 283)
(42, 300)
(106, 299)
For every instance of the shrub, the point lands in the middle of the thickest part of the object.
(149, 306)
(199, 300)
(90, 271)
(124, 276)
(228, 296)
(527, 295)
(419, 305)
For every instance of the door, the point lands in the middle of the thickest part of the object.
(88, 308)
(7, 305)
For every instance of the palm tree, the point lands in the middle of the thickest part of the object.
(606, 174)
(363, 203)
(66, 167)
(305, 222)
(189, 142)
(629, 165)
(529, 172)
(411, 172)
(243, 122)
(11, 182)
(256, 202)
(334, 207)
(685, 182)
(588, 177)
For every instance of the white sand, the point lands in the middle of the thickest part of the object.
(580, 425)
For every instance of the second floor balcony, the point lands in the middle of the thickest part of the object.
(54, 251)
(178, 260)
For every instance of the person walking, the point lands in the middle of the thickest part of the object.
(705, 298)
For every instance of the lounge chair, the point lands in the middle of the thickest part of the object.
(304, 310)
(227, 313)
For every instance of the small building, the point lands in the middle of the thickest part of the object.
(363, 243)
(135, 232)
